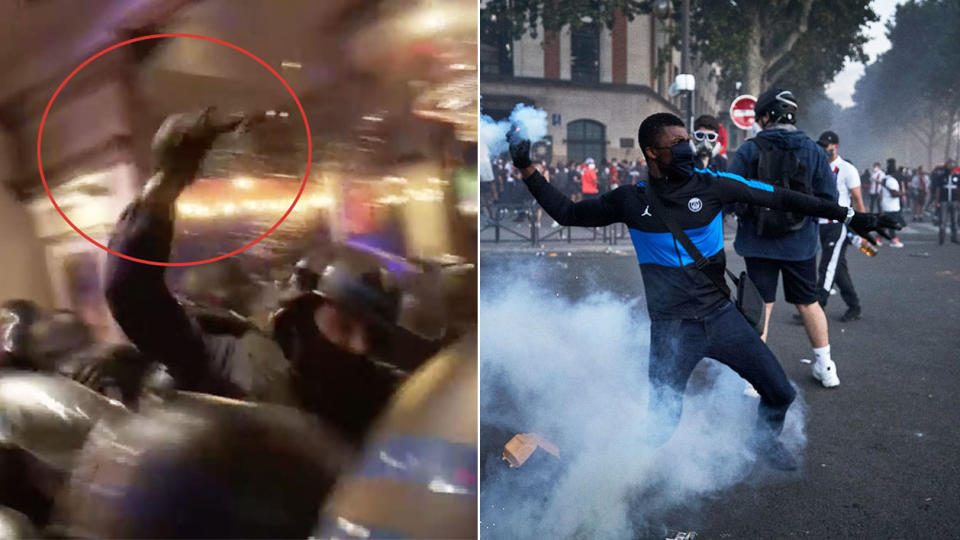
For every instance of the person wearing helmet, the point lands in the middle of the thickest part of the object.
(775, 243)
(341, 339)
(62, 343)
(324, 361)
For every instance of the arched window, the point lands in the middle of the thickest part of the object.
(586, 139)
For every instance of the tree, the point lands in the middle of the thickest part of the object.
(914, 87)
(800, 44)
(945, 77)
(758, 42)
(526, 16)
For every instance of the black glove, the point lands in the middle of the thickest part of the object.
(520, 153)
(864, 224)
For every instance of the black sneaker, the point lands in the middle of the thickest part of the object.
(852, 314)
(774, 454)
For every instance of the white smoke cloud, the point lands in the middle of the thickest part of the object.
(576, 372)
(530, 123)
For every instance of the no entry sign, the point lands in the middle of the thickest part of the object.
(741, 111)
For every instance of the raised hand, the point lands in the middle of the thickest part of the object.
(520, 153)
(179, 147)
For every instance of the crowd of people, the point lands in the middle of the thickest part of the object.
(927, 195)
(579, 181)
(203, 424)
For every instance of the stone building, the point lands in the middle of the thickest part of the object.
(595, 84)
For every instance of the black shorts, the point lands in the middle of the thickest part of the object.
(799, 279)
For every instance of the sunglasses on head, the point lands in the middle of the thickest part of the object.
(708, 135)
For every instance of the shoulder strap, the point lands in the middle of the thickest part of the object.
(700, 261)
(763, 144)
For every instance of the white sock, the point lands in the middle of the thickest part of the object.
(822, 354)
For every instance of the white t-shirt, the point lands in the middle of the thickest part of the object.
(847, 178)
(889, 203)
(875, 178)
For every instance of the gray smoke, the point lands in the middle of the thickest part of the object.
(576, 373)
(529, 123)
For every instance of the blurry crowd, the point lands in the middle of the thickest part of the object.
(923, 192)
(579, 181)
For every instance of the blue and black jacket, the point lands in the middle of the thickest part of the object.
(675, 288)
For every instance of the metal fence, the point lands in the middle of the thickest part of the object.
(519, 222)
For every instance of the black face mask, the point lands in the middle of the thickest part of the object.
(682, 159)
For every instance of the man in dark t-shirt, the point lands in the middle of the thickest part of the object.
(945, 182)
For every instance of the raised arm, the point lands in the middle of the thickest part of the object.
(593, 213)
(735, 188)
(136, 292)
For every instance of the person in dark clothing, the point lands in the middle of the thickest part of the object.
(945, 181)
(60, 342)
(789, 247)
(691, 317)
(329, 370)
(706, 133)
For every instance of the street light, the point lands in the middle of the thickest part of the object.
(661, 9)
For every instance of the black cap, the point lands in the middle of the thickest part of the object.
(828, 138)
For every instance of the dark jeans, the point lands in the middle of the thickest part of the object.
(948, 210)
(677, 345)
(833, 265)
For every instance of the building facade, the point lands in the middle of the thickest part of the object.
(596, 84)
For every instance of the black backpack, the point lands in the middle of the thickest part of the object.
(782, 168)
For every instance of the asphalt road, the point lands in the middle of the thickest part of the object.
(883, 452)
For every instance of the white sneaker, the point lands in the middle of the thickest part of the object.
(896, 244)
(826, 373)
